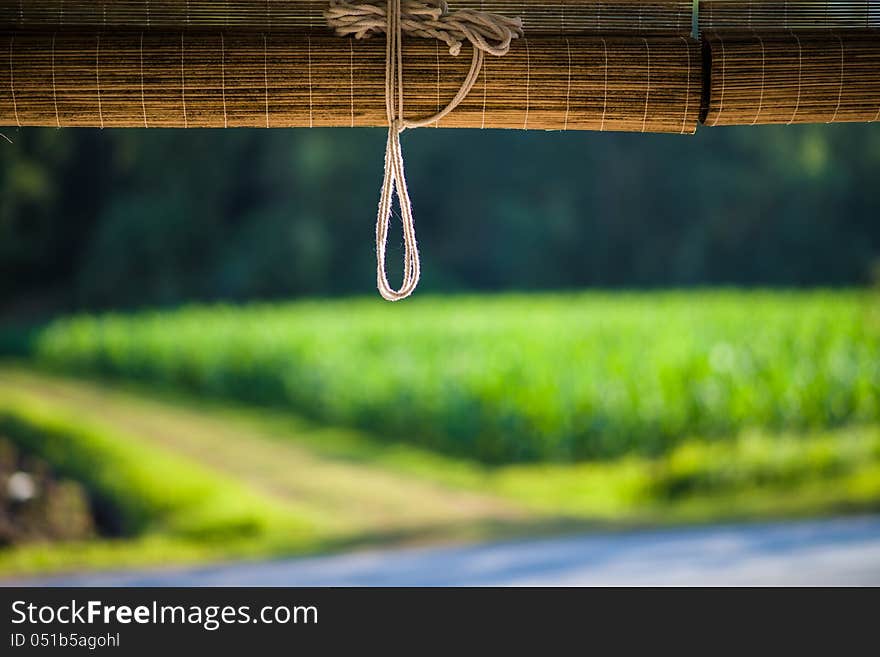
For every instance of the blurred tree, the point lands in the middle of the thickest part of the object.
(98, 219)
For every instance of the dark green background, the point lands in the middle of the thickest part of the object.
(97, 219)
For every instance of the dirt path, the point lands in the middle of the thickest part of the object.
(354, 496)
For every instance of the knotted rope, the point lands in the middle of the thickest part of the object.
(429, 19)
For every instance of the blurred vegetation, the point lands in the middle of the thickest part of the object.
(517, 378)
(149, 490)
(617, 407)
(190, 495)
(131, 218)
(35, 505)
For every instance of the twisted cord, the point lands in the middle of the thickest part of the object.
(429, 19)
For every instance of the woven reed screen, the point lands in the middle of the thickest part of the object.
(584, 64)
(785, 15)
(278, 80)
(539, 16)
(671, 17)
(796, 61)
(793, 77)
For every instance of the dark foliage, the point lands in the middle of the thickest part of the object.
(92, 219)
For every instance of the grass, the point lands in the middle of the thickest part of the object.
(201, 480)
(542, 378)
(170, 505)
(193, 486)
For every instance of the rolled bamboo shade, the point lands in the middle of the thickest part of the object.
(670, 17)
(792, 77)
(584, 64)
(539, 16)
(244, 79)
(785, 15)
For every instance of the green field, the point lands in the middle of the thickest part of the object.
(196, 481)
(513, 378)
(266, 430)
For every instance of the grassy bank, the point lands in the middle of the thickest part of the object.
(161, 503)
(202, 481)
(517, 378)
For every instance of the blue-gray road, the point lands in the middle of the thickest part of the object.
(844, 551)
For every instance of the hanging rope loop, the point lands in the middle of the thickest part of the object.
(429, 19)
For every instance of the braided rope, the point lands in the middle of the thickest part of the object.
(429, 19)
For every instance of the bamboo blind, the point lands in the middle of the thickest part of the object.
(785, 15)
(243, 79)
(670, 17)
(584, 64)
(793, 77)
(539, 16)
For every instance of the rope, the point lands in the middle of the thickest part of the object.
(428, 19)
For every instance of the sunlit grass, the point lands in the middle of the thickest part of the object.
(205, 481)
(513, 378)
(155, 495)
